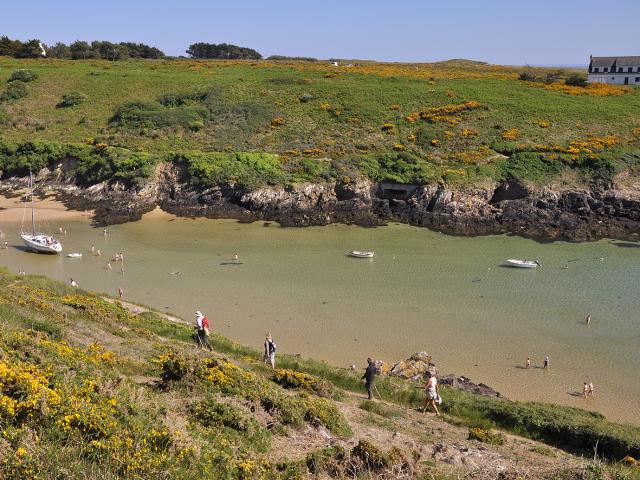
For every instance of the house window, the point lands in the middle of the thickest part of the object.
(596, 70)
(613, 78)
(637, 79)
(638, 69)
(606, 69)
(620, 69)
(629, 69)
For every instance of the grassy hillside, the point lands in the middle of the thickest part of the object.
(90, 390)
(425, 122)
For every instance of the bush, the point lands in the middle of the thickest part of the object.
(213, 414)
(527, 76)
(72, 99)
(372, 457)
(532, 166)
(305, 97)
(248, 170)
(325, 412)
(14, 91)
(23, 76)
(155, 115)
(486, 436)
(576, 80)
(303, 381)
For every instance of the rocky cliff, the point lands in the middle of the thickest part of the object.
(544, 213)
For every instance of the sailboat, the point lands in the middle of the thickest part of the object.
(36, 241)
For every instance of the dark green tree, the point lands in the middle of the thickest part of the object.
(81, 50)
(222, 51)
(29, 49)
(9, 47)
(59, 50)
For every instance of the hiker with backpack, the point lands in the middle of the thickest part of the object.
(270, 351)
(202, 331)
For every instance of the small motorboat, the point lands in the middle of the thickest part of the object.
(523, 263)
(359, 254)
(74, 255)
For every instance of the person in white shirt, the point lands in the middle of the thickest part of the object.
(433, 396)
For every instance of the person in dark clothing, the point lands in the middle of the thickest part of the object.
(369, 376)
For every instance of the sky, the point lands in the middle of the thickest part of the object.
(515, 32)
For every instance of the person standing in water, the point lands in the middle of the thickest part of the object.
(590, 391)
(270, 351)
(120, 292)
(433, 397)
(585, 390)
(588, 320)
(369, 376)
(528, 364)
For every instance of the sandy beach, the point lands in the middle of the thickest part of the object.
(47, 210)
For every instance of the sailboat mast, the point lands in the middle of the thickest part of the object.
(33, 218)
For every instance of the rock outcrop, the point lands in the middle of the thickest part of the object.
(544, 213)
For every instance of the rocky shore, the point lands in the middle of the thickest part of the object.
(417, 365)
(543, 213)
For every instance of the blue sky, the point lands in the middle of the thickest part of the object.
(548, 32)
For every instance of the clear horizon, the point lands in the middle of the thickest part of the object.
(496, 31)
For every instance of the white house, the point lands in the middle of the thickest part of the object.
(615, 70)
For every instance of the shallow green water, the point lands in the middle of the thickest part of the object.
(422, 291)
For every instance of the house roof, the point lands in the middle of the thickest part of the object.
(618, 61)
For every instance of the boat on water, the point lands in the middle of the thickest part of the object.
(359, 254)
(523, 263)
(34, 240)
(74, 255)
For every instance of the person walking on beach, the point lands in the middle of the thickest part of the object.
(590, 391)
(528, 363)
(270, 351)
(369, 376)
(433, 396)
(545, 364)
(585, 390)
(93, 249)
(73, 283)
(202, 326)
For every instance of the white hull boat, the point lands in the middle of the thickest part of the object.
(359, 254)
(523, 263)
(41, 243)
(74, 255)
(36, 241)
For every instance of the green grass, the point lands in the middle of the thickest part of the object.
(304, 112)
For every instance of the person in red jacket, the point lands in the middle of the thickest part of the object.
(202, 326)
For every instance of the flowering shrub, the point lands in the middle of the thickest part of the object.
(592, 89)
(511, 134)
(277, 122)
(303, 381)
(446, 113)
(25, 392)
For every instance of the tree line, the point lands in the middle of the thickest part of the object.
(81, 50)
(78, 50)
